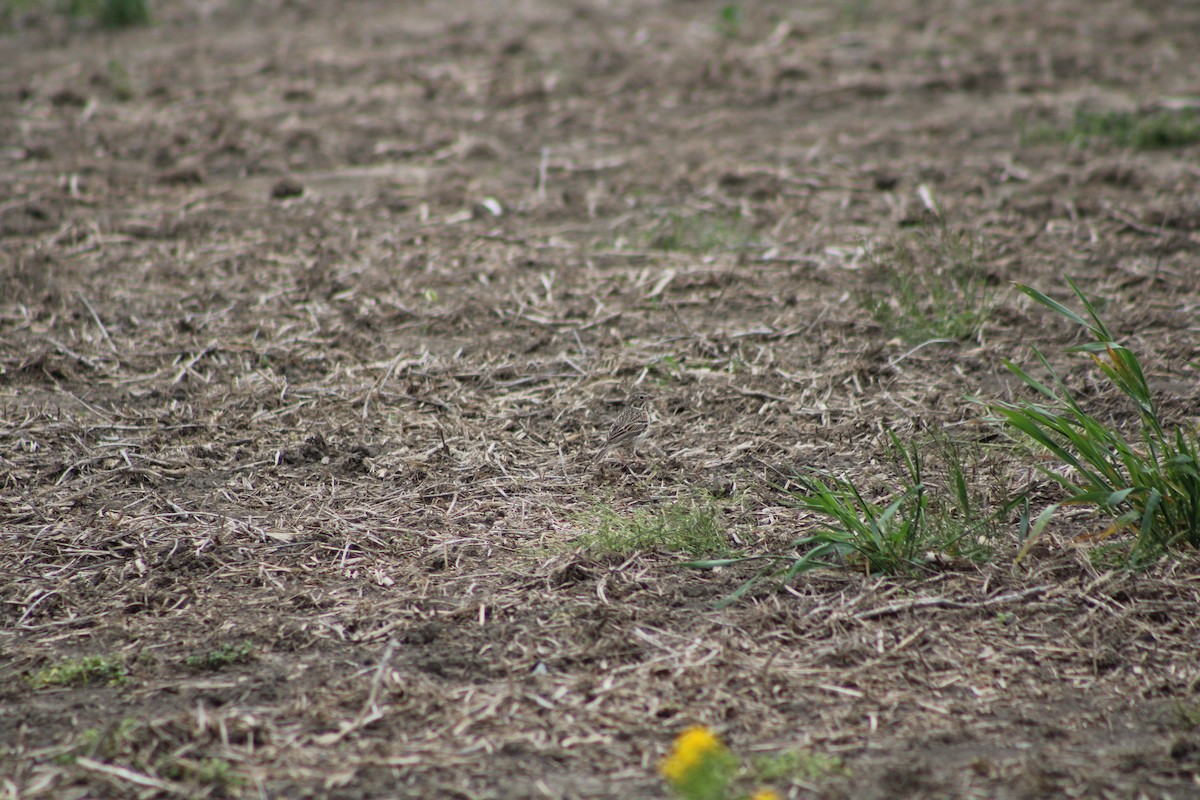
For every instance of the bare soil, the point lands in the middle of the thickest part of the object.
(313, 316)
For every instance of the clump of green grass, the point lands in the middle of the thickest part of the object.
(694, 527)
(1149, 483)
(700, 233)
(119, 80)
(81, 671)
(669, 367)
(895, 534)
(853, 13)
(802, 765)
(1141, 130)
(140, 747)
(108, 13)
(887, 536)
(112, 13)
(729, 20)
(106, 743)
(9, 9)
(221, 657)
(920, 521)
(215, 774)
(926, 520)
(929, 285)
(1187, 715)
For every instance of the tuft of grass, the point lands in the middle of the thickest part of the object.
(119, 80)
(1139, 130)
(729, 20)
(112, 13)
(108, 13)
(1149, 483)
(106, 743)
(671, 368)
(1187, 715)
(694, 527)
(800, 765)
(221, 657)
(700, 233)
(920, 522)
(141, 748)
(82, 671)
(215, 774)
(10, 9)
(931, 285)
(853, 13)
(897, 533)
(887, 537)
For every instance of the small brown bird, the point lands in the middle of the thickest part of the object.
(631, 427)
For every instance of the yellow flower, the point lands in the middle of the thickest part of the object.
(766, 794)
(691, 749)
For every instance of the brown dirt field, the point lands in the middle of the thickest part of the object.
(313, 316)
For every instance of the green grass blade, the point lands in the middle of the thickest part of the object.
(1097, 326)
(1150, 482)
(1030, 380)
(1115, 499)
(1051, 304)
(810, 560)
(715, 563)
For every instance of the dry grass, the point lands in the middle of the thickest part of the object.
(351, 431)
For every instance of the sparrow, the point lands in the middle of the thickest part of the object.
(631, 427)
